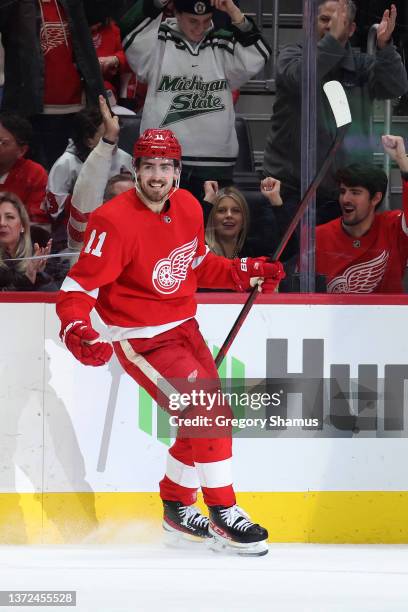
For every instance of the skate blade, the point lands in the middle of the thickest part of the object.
(179, 539)
(228, 547)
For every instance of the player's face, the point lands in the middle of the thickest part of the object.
(10, 226)
(228, 218)
(357, 206)
(156, 178)
(10, 149)
(194, 27)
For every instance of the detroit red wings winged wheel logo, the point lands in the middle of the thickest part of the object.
(53, 35)
(169, 273)
(360, 278)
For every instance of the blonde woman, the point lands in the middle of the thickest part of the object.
(228, 223)
(15, 243)
(232, 230)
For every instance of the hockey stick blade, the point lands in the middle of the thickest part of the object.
(338, 102)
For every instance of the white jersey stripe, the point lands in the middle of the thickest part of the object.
(70, 284)
(197, 261)
(126, 333)
(147, 369)
(80, 226)
(215, 474)
(181, 474)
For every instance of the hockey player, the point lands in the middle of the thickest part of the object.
(365, 251)
(143, 259)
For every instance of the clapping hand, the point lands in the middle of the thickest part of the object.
(38, 265)
(340, 23)
(109, 65)
(386, 27)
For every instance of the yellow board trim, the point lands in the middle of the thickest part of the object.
(319, 517)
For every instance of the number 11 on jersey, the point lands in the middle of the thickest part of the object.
(97, 250)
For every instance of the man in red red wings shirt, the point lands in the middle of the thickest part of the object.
(365, 252)
(143, 259)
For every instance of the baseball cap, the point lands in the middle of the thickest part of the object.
(196, 7)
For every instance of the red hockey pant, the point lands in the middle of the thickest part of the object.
(181, 354)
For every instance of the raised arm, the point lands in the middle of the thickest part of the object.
(91, 182)
(388, 77)
(394, 146)
(139, 30)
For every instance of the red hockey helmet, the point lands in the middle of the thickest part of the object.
(157, 143)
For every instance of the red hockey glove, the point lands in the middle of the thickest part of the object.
(249, 267)
(81, 339)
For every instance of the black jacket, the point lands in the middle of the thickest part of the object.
(12, 279)
(20, 23)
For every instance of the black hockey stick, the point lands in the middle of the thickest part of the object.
(338, 102)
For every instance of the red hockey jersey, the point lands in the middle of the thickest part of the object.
(141, 269)
(28, 180)
(373, 263)
(62, 81)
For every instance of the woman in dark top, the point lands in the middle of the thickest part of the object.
(237, 228)
(15, 243)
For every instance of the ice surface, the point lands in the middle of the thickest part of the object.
(152, 577)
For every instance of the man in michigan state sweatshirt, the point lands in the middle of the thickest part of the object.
(191, 70)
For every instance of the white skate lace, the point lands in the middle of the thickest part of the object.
(236, 517)
(191, 515)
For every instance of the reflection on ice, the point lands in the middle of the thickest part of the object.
(150, 577)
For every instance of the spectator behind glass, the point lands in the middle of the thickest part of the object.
(111, 56)
(365, 251)
(364, 77)
(190, 71)
(25, 178)
(220, 20)
(118, 184)
(88, 131)
(51, 68)
(15, 243)
(232, 230)
(99, 166)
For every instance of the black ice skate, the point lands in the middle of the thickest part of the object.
(234, 532)
(184, 522)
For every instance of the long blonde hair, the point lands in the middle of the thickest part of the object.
(210, 233)
(24, 247)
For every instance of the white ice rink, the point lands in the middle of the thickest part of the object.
(292, 577)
